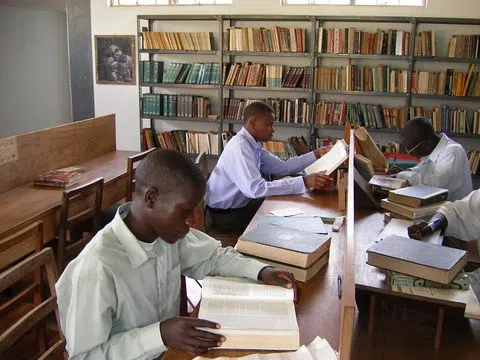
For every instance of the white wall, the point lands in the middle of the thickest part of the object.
(34, 81)
(123, 100)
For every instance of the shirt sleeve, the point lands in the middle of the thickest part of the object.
(462, 216)
(87, 305)
(273, 165)
(247, 177)
(209, 258)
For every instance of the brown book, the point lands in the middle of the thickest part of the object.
(411, 212)
(418, 195)
(417, 258)
(60, 178)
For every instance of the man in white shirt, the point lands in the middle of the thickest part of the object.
(444, 163)
(119, 299)
(236, 184)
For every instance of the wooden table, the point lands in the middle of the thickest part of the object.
(25, 204)
(318, 311)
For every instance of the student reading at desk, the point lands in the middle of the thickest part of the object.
(236, 186)
(443, 164)
(119, 299)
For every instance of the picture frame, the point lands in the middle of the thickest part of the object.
(115, 59)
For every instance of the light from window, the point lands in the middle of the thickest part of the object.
(356, 2)
(167, 2)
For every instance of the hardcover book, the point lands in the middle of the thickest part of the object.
(60, 178)
(418, 195)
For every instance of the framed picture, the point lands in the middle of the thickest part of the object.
(115, 59)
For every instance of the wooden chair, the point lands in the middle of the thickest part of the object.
(37, 316)
(131, 172)
(79, 205)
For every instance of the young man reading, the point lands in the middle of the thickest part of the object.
(237, 182)
(119, 299)
(444, 163)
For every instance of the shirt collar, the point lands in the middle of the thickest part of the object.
(136, 254)
(439, 148)
(247, 136)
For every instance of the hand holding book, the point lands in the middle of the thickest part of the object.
(271, 276)
(420, 229)
(316, 181)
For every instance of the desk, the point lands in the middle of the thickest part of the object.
(318, 311)
(25, 204)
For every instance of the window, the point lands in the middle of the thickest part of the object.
(356, 2)
(167, 2)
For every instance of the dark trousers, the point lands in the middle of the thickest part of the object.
(233, 220)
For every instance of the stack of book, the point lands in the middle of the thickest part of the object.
(282, 242)
(414, 202)
(189, 41)
(60, 178)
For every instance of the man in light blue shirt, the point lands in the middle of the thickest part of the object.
(236, 185)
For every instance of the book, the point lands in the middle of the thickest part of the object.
(418, 195)
(59, 178)
(331, 160)
(364, 166)
(292, 247)
(417, 258)
(411, 212)
(387, 182)
(313, 224)
(460, 282)
(252, 315)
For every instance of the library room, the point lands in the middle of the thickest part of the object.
(240, 179)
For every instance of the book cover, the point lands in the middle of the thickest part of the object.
(418, 195)
(312, 224)
(411, 212)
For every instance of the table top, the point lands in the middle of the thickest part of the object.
(26, 202)
(318, 310)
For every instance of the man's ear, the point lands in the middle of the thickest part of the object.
(150, 196)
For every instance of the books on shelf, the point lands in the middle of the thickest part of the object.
(276, 39)
(192, 73)
(352, 41)
(170, 105)
(381, 78)
(394, 278)
(474, 160)
(331, 160)
(417, 258)
(189, 41)
(60, 178)
(192, 142)
(410, 212)
(425, 44)
(293, 146)
(252, 315)
(418, 195)
(448, 119)
(151, 71)
(464, 46)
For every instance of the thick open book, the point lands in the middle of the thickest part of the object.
(331, 160)
(252, 315)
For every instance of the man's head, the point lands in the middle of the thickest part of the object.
(168, 188)
(418, 137)
(258, 119)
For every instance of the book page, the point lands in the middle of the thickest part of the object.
(400, 228)
(331, 160)
(217, 287)
(249, 315)
(300, 354)
(320, 349)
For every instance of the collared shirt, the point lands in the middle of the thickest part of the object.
(237, 177)
(114, 295)
(446, 167)
(463, 217)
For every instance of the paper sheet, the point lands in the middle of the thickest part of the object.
(287, 212)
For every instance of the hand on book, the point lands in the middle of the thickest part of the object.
(419, 229)
(316, 180)
(322, 151)
(182, 333)
(271, 276)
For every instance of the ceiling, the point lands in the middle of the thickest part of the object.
(55, 5)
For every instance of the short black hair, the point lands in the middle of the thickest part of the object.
(256, 107)
(418, 129)
(168, 170)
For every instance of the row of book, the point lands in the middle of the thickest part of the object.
(449, 82)
(190, 41)
(352, 41)
(276, 39)
(474, 159)
(425, 44)
(191, 142)
(444, 118)
(151, 71)
(464, 46)
(193, 106)
(196, 73)
(286, 110)
(286, 149)
(251, 74)
(380, 78)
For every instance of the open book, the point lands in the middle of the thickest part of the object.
(331, 160)
(252, 315)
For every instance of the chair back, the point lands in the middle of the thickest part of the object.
(38, 315)
(131, 161)
(79, 205)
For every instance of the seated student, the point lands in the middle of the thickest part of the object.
(119, 299)
(443, 164)
(237, 178)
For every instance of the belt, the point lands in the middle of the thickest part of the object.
(222, 211)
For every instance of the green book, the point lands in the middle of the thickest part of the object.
(146, 71)
(394, 278)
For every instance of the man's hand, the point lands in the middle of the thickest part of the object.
(419, 229)
(322, 151)
(182, 333)
(271, 276)
(316, 180)
(394, 170)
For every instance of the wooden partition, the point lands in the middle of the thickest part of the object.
(23, 157)
(347, 316)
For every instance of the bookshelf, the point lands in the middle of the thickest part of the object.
(396, 54)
